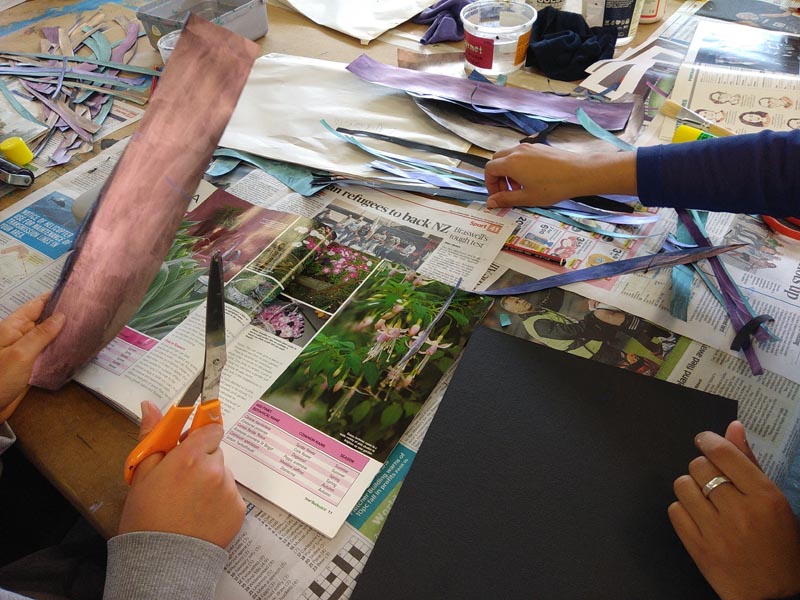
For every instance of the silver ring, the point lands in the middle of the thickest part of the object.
(716, 482)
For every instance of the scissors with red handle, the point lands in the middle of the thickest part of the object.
(788, 226)
(167, 434)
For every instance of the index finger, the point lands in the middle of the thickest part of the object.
(733, 463)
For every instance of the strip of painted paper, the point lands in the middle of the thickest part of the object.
(123, 241)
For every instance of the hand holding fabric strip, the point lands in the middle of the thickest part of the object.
(742, 533)
(21, 341)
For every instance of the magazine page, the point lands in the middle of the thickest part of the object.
(276, 554)
(333, 411)
(160, 352)
(605, 332)
(742, 78)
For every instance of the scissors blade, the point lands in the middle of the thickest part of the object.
(215, 331)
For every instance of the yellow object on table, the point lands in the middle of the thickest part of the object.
(16, 150)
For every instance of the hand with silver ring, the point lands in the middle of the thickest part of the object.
(744, 536)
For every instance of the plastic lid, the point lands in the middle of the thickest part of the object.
(16, 150)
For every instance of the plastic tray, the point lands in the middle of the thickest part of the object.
(246, 17)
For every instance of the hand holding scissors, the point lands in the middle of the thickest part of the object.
(167, 434)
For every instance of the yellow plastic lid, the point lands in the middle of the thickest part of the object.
(16, 150)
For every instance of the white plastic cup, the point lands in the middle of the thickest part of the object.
(496, 35)
(167, 43)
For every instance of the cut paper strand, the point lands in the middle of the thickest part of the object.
(737, 308)
(557, 216)
(108, 273)
(597, 131)
(609, 115)
(613, 269)
(472, 159)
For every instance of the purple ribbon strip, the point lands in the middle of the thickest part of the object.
(609, 115)
(612, 269)
(738, 311)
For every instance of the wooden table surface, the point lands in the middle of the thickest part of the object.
(76, 440)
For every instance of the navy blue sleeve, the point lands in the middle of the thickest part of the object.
(754, 173)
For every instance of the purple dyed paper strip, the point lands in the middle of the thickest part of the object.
(612, 269)
(118, 53)
(609, 115)
(55, 108)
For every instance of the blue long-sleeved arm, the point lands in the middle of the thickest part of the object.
(755, 173)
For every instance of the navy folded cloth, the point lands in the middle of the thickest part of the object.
(562, 44)
(445, 17)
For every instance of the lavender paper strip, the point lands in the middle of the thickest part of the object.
(609, 115)
(124, 239)
(612, 269)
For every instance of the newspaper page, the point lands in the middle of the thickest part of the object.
(742, 78)
(446, 242)
(765, 271)
(606, 332)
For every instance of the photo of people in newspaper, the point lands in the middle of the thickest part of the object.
(380, 237)
(366, 374)
(571, 323)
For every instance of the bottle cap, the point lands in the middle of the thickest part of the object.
(16, 150)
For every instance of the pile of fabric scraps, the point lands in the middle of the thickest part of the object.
(74, 93)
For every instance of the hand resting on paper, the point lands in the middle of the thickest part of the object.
(21, 341)
(189, 491)
(540, 175)
(743, 537)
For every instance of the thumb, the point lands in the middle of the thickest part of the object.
(151, 415)
(33, 342)
(736, 435)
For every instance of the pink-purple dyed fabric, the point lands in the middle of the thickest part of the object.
(126, 236)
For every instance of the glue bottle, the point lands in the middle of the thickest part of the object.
(686, 133)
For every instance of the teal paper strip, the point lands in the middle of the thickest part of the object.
(98, 62)
(105, 109)
(683, 277)
(222, 165)
(296, 177)
(600, 133)
(100, 46)
(550, 214)
(24, 112)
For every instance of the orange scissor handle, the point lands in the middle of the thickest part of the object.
(163, 438)
(208, 412)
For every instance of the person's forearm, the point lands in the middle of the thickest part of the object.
(606, 173)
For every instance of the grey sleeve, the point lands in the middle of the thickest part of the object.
(7, 438)
(154, 566)
(6, 595)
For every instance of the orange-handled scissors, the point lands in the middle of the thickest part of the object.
(166, 435)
